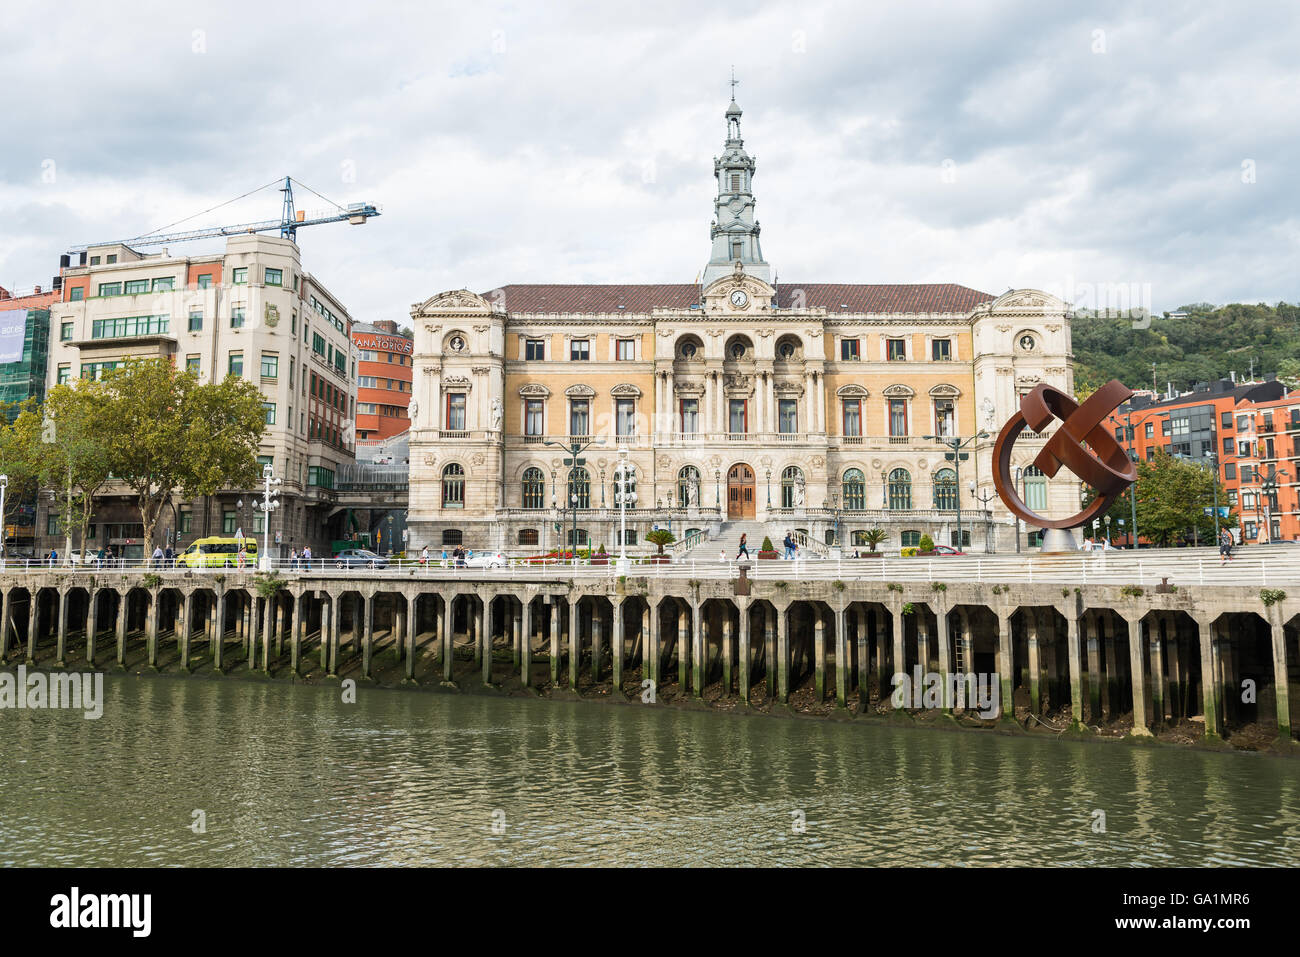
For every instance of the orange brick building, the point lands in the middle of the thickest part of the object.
(383, 379)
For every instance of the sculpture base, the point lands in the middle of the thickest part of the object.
(1058, 541)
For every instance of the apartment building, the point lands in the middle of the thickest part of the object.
(384, 379)
(250, 311)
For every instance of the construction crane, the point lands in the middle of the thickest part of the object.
(288, 224)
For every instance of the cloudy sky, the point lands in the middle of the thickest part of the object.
(1148, 147)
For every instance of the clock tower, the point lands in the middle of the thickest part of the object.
(734, 231)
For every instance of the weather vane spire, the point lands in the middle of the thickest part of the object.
(734, 81)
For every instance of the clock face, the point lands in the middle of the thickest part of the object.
(739, 298)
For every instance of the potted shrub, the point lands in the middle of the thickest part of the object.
(660, 537)
(600, 558)
(767, 551)
(874, 537)
(926, 545)
(908, 551)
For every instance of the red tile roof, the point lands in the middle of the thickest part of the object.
(833, 297)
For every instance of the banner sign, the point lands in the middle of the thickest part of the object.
(13, 329)
(380, 343)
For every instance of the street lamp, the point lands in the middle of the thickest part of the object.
(833, 499)
(984, 497)
(4, 551)
(575, 448)
(624, 495)
(268, 504)
(1268, 489)
(769, 490)
(1020, 489)
(717, 489)
(1214, 466)
(957, 444)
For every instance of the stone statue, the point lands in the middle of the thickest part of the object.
(413, 411)
(989, 411)
(693, 494)
(798, 495)
(497, 412)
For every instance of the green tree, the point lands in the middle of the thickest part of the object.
(1172, 496)
(660, 537)
(15, 464)
(171, 435)
(874, 537)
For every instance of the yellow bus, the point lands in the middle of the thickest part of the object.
(218, 553)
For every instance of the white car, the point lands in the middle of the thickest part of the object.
(487, 560)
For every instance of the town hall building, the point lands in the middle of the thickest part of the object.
(743, 404)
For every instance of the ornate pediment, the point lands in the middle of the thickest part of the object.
(945, 391)
(738, 294)
(625, 390)
(1023, 302)
(898, 391)
(852, 391)
(788, 388)
(534, 390)
(458, 302)
(580, 391)
(456, 382)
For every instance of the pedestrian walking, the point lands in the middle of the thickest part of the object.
(293, 558)
(242, 557)
(744, 546)
(424, 555)
(306, 557)
(1225, 546)
(789, 546)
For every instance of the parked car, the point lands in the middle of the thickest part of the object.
(947, 550)
(487, 560)
(359, 558)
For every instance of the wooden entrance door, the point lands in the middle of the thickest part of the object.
(740, 492)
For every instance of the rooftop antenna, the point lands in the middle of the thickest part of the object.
(734, 81)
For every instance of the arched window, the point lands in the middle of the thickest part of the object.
(453, 486)
(577, 537)
(910, 537)
(580, 485)
(1035, 488)
(688, 486)
(945, 490)
(900, 489)
(534, 490)
(792, 488)
(855, 490)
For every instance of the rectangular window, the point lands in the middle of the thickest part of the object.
(363, 382)
(625, 350)
(787, 416)
(690, 416)
(204, 280)
(164, 284)
(77, 293)
(535, 349)
(1150, 430)
(735, 182)
(455, 411)
(625, 416)
(898, 417)
(533, 417)
(852, 416)
(1243, 423)
(941, 350)
(110, 289)
(850, 350)
(579, 350)
(1227, 446)
(1166, 427)
(945, 418)
(270, 366)
(579, 417)
(185, 520)
(239, 276)
(737, 416)
(895, 350)
(235, 364)
(268, 408)
(65, 332)
(318, 343)
(196, 320)
(135, 287)
(129, 326)
(291, 372)
(228, 521)
(94, 260)
(192, 364)
(1225, 420)
(274, 277)
(237, 316)
(112, 258)
(1230, 470)
(65, 373)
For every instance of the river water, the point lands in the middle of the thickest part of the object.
(287, 775)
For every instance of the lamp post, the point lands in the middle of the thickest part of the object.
(1268, 488)
(4, 529)
(769, 489)
(1107, 528)
(575, 448)
(717, 490)
(957, 444)
(268, 504)
(984, 497)
(1214, 479)
(1021, 492)
(624, 495)
(834, 500)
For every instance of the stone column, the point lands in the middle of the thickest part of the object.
(555, 639)
(575, 642)
(270, 607)
(841, 657)
(60, 653)
(1280, 689)
(295, 631)
(770, 668)
(1035, 663)
(1210, 687)
(91, 624)
(1136, 677)
(366, 607)
(411, 632)
(517, 637)
(186, 629)
(1156, 640)
(697, 647)
(448, 617)
(819, 653)
(650, 651)
(683, 650)
(783, 654)
(726, 651)
(945, 658)
(743, 640)
(899, 663)
(1112, 671)
(485, 631)
(1090, 623)
(616, 642)
(1072, 625)
(336, 634)
(1005, 663)
(281, 615)
(597, 639)
(151, 628)
(326, 621)
(218, 628)
(253, 621)
(526, 646)
(33, 618)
